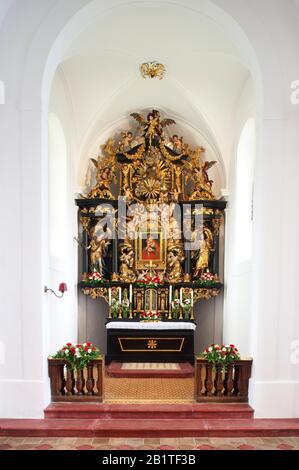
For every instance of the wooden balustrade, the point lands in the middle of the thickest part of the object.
(80, 385)
(213, 384)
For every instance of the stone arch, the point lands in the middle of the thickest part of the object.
(61, 25)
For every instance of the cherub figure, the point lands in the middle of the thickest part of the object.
(126, 142)
(176, 144)
(127, 262)
(202, 183)
(104, 178)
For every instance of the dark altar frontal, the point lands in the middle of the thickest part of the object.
(149, 235)
(129, 344)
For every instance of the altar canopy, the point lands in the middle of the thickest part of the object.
(149, 231)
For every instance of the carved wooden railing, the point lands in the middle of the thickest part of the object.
(81, 385)
(213, 384)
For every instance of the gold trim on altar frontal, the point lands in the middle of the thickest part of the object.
(149, 349)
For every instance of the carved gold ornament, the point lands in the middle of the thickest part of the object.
(152, 70)
(205, 294)
(96, 293)
(85, 223)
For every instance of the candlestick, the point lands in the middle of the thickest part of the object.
(192, 299)
(109, 296)
(119, 295)
(131, 293)
(170, 296)
(181, 296)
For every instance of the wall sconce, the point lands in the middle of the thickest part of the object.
(62, 289)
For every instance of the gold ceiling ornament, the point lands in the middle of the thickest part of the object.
(152, 70)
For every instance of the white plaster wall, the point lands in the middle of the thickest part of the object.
(63, 313)
(238, 292)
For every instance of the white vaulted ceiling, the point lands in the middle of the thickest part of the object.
(205, 75)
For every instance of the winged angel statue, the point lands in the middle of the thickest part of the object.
(153, 127)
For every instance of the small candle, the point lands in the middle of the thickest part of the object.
(119, 295)
(181, 296)
(110, 297)
(170, 295)
(192, 302)
(131, 293)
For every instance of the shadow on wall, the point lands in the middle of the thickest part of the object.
(92, 328)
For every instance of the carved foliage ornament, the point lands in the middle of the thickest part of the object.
(152, 70)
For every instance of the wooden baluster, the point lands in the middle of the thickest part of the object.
(243, 379)
(219, 380)
(237, 379)
(61, 380)
(100, 379)
(54, 378)
(70, 381)
(90, 379)
(198, 380)
(228, 381)
(209, 384)
(80, 382)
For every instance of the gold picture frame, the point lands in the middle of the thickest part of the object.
(150, 250)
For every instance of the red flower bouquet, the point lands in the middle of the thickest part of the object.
(149, 281)
(221, 354)
(94, 279)
(77, 355)
(149, 316)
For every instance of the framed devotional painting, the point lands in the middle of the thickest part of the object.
(150, 250)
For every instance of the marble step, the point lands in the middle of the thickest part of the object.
(148, 411)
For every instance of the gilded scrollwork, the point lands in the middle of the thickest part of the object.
(127, 260)
(205, 294)
(175, 258)
(85, 221)
(96, 292)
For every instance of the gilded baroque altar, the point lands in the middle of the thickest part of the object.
(150, 225)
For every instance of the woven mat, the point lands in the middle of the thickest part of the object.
(150, 366)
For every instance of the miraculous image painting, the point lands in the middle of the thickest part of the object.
(150, 249)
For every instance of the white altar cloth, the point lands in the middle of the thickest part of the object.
(148, 325)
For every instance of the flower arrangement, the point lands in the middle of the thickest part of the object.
(94, 279)
(186, 307)
(125, 308)
(78, 355)
(149, 281)
(149, 316)
(221, 354)
(175, 308)
(207, 279)
(122, 307)
(115, 305)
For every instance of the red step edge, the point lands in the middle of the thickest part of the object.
(150, 428)
(148, 411)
